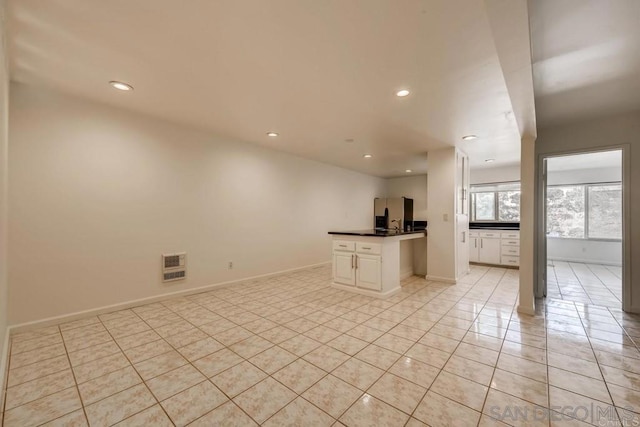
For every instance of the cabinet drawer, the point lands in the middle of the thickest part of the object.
(511, 250)
(344, 245)
(510, 234)
(368, 248)
(510, 260)
(495, 234)
(474, 234)
(510, 242)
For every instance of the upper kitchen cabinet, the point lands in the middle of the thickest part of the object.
(462, 183)
(448, 214)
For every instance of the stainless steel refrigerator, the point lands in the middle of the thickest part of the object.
(392, 213)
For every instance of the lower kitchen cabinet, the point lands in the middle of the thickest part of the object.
(489, 251)
(495, 247)
(373, 262)
(368, 272)
(343, 268)
(474, 249)
(352, 268)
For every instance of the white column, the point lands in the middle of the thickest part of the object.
(527, 237)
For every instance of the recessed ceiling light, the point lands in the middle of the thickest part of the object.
(274, 134)
(120, 85)
(367, 156)
(490, 160)
(403, 92)
(469, 137)
(408, 171)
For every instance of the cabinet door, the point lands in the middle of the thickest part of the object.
(462, 183)
(474, 247)
(369, 272)
(489, 250)
(343, 268)
(462, 255)
(459, 179)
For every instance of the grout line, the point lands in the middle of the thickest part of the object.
(75, 381)
(297, 304)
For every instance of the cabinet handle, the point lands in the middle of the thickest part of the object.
(343, 246)
(356, 261)
(352, 262)
(475, 243)
(464, 237)
(366, 248)
(481, 243)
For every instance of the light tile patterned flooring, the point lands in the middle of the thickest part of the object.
(586, 283)
(290, 350)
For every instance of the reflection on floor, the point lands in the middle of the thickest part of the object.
(587, 283)
(290, 350)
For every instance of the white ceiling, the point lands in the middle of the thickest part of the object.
(586, 56)
(602, 159)
(317, 72)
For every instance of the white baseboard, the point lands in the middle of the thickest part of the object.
(4, 367)
(406, 274)
(526, 310)
(142, 301)
(586, 261)
(635, 310)
(441, 279)
(366, 292)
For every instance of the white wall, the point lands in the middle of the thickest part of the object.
(582, 250)
(497, 174)
(622, 129)
(4, 100)
(97, 194)
(584, 176)
(441, 259)
(414, 187)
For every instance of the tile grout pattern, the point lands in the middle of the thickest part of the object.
(585, 283)
(290, 350)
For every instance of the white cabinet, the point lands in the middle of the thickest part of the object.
(343, 268)
(510, 248)
(474, 249)
(462, 214)
(368, 272)
(489, 252)
(462, 183)
(495, 247)
(357, 265)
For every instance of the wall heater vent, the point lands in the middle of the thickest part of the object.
(174, 266)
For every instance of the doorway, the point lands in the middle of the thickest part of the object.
(583, 228)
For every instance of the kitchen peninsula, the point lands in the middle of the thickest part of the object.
(372, 262)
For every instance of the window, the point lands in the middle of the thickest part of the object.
(485, 204)
(605, 211)
(496, 202)
(565, 211)
(585, 211)
(509, 206)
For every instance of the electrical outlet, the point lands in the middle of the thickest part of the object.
(230, 265)
(445, 217)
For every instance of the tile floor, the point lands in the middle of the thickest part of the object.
(586, 283)
(290, 350)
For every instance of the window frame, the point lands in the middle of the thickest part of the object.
(472, 208)
(496, 201)
(586, 186)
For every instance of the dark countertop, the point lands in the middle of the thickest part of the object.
(377, 233)
(471, 227)
(505, 226)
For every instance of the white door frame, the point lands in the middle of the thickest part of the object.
(540, 284)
